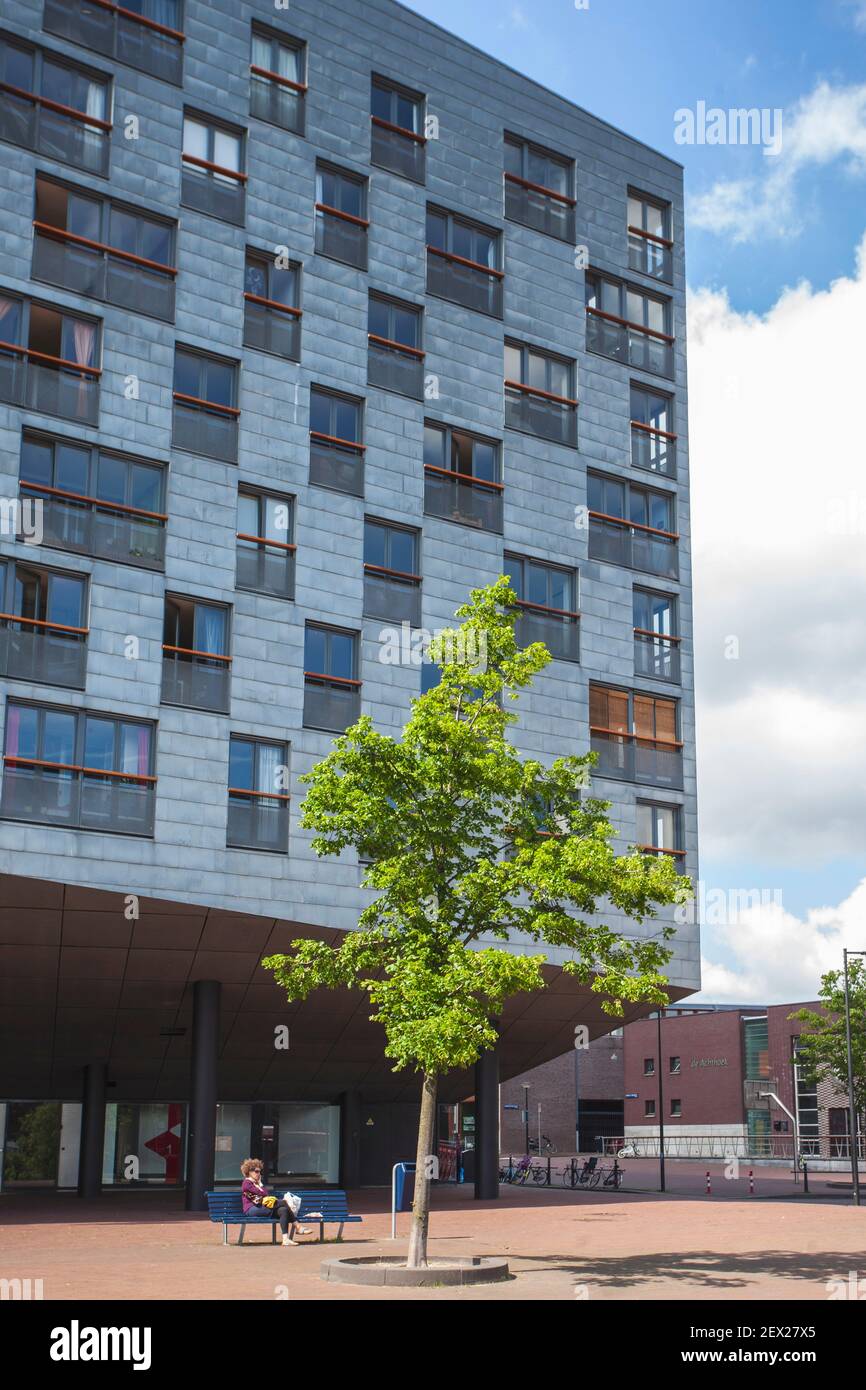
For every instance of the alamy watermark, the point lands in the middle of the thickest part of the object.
(21, 519)
(736, 126)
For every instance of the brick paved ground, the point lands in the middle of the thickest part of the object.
(608, 1246)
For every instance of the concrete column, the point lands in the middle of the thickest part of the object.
(92, 1130)
(350, 1139)
(487, 1126)
(203, 1093)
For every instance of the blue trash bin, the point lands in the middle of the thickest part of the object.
(405, 1190)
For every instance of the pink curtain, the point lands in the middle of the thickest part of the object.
(13, 724)
(143, 752)
(84, 338)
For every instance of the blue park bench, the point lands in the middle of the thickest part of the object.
(331, 1203)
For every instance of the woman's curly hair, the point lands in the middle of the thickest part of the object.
(248, 1164)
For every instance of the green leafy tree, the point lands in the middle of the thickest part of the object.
(823, 1052)
(469, 843)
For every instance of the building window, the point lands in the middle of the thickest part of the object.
(629, 325)
(632, 526)
(265, 549)
(397, 130)
(43, 632)
(336, 441)
(464, 261)
(278, 86)
(653, 442)
(539, 188)
(54, 107)
(635, 737)
(272, 312)
(659, 829)
(94, 246)
(649, 1066)
(341, 216)
(144, 34)
(392, 581)
(332, 691)
(196, 666)
(649, 1109)
(79, 769)
(546, 597)
(461, 477)
(48, 359)
(213, 180)
(676, 1107)
(205, 419)
(656, 644)
(395, 357)
(94, 501)
(674, 1066)
(539, 394)
(649, 236)
(258, 810)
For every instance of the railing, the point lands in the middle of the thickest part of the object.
(635, 758)
(272, 326)
(557, 628)
(656, 655)
(391, 595)
(110, 530)
(341, 235)
(51, 129)
(622, 542)
(266, 566)
(204, 427)
(644, 348)
(118, 33)
(92, 268)
(198, 680)
(395, 367)
(778, 1146)
(337, 463)
(534, 411)
(50, 384)
(258, 820)
(87, 798)
(277, 99)
(34, 649)
(459, 497)
(402, 151)
(213, 189)
(464, 282)
(331, 703)
(650, 254)
(654, 450)
(658, 850)
(539, 207)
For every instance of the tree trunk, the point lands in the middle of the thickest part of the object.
(421, 1204)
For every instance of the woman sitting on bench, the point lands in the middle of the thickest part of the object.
(257, 1208)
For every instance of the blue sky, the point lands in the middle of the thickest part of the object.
(782, 797)
(634, 63)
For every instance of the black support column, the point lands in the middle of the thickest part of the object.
(203, 1093)
(350, 1139)
(487, 1126)
(92, 1131)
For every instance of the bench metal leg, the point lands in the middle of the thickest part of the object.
(340, 1232)
(273, 1233)
(225, 1233)
(321, 1232)
(242, 1234)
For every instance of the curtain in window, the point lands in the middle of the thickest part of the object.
(13, 726)
(210, 630)
(84, 339)
(270, 760)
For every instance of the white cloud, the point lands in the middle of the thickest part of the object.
(778, 469)
(859, 15)
(826, 126)
(778, 958)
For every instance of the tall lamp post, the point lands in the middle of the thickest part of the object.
(661, 1108)
(526, 1115)
(855, 1154)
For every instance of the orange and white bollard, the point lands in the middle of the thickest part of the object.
(751, 1183)
(709, 1185)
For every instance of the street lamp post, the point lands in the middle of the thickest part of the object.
(661, 1108)
(526, 1116)
(854, 1138)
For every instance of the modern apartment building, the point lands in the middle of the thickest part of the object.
(312, 318)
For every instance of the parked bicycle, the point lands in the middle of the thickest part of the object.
(590, 1175)
(546, 1145)
(517, 1172)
